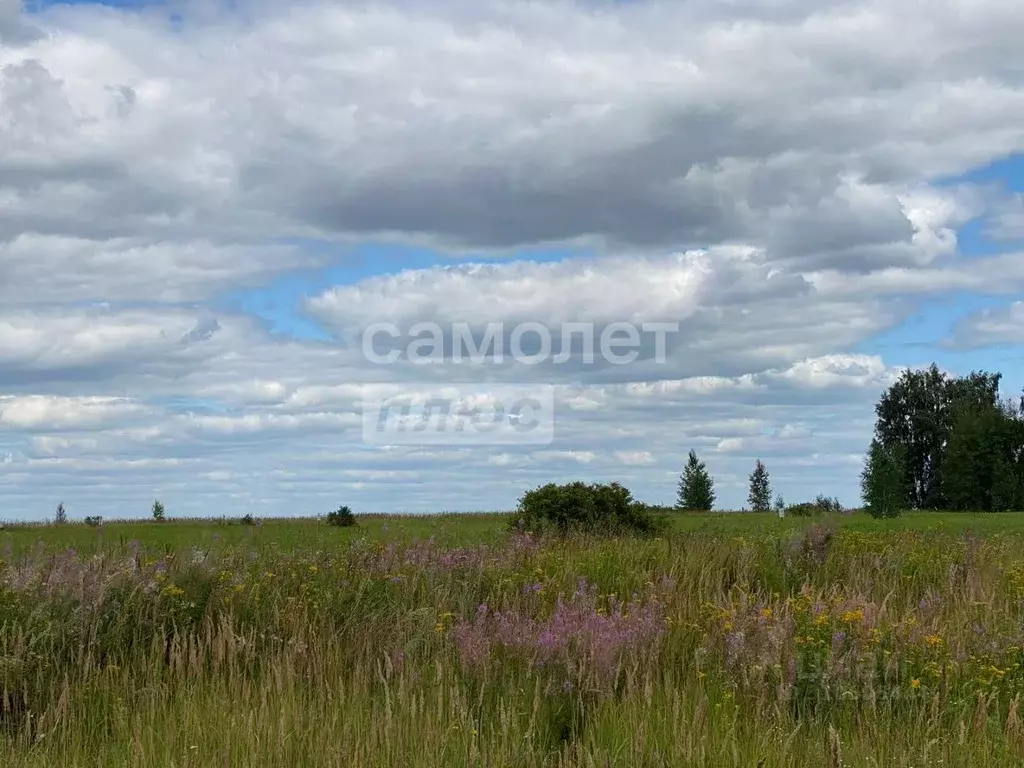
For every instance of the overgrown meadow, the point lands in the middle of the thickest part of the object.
(732, 640)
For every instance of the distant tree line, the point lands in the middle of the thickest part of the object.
(945, 442)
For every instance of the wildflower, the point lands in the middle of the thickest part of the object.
(915, 683)
(933, 640)
(851, 616)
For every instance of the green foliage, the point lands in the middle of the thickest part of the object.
(60, 517)
(342, 517)
(158, 511)
(831, 505)
(248, 519)
(656, 509)
(1007, 490)
(983, 468)
(804, 509)
(822, 505)
(919, 412)
(760, 496)
(94, 521)
(696, 488)
(581, 508)
(883, 480)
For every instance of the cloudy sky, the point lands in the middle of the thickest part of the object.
(203, 205)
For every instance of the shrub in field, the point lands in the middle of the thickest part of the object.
(158, 511)
(60, 516)
(581, 508)
(822, 505)
(804, 509)
(830, 505)
(94, 521)
(248, 519)
(341, 517)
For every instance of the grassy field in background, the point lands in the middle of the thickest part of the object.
(734, 640)
(289, 534)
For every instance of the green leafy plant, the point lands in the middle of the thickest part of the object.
(581, 508)
(822, 505)
(342, 517)
(159, 514)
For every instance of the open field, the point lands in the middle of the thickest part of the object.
(735, 640)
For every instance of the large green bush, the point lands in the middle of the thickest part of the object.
(581, 508)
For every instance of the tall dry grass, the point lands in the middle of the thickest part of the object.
(811, 648)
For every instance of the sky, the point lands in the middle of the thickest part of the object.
(204, 206)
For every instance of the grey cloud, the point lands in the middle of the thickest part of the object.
(1007, 223)
(736, 312)
(990, 327)
(13, 26)
(47, 269)
(203, 331)
(506, 125)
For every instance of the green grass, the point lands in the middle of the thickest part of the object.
(752, 641)
(449, 529)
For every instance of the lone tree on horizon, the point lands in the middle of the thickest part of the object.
(696, 488)
(760, 496)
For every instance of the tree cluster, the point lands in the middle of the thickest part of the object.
(945, 442)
